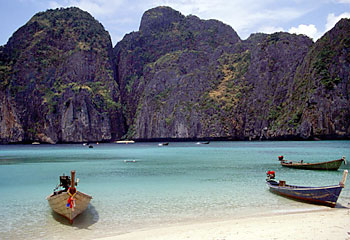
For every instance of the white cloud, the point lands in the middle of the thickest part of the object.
(270, 29)
(343, 1)
(53, 5)
(308, 30)
(119, 17)
(94, 7)
(332, 19)
(244, 16)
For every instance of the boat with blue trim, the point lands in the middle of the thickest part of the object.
(325, 195)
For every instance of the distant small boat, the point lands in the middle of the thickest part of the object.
(163, 144)
(203, 142)
(130, 161)
(125, 142)
(35, 143)
(68, 202)
(327, 195)
(330, 165)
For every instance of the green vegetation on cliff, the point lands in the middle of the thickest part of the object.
(233, 86)
(177, 77)
(59, 65)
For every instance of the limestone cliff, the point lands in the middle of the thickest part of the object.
(318, 101)
(165, 67)
(177, 77)
(57, 74)
(182, 77)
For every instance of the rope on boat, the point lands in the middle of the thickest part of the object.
(71, 199)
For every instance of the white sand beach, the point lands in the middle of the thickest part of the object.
(332, 224)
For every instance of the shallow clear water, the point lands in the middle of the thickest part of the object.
(179, 183)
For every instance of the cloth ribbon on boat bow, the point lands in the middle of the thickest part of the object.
(71, 199)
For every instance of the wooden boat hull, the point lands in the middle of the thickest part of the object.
(330, 165)
(58, 204)
(327, 195)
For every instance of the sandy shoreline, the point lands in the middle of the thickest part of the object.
(332, 224)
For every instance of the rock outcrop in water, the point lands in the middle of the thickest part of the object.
(177, 77)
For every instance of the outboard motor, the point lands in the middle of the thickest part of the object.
(270, 175)
(280, 158)
(64, 185)
(64, 182)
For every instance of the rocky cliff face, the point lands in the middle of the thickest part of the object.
(155, 63)
(270, 75)
(208, 83)
(58, 81)
(10, 127)
(178, 57)
(318, 101)
(177, 77)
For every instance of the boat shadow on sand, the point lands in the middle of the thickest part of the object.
(89, 217)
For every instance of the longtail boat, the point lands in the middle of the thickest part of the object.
(163, 144)
(326, 195)
(125, 142)
(66, 200)
(330, 165)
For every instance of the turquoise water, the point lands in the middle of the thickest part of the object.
(176, 184)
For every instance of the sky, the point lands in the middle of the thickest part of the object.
(119, 17)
